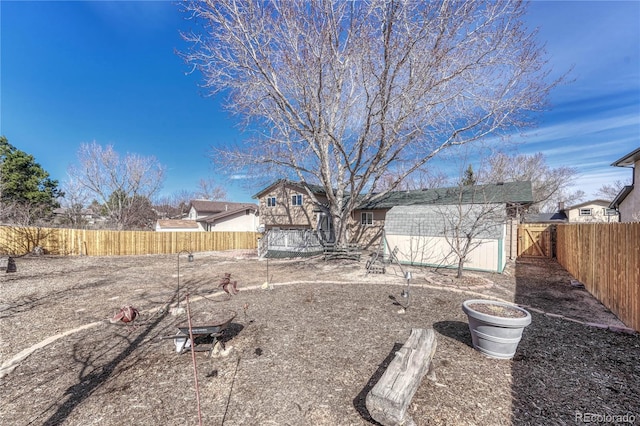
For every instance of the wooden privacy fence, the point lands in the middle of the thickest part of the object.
(22, 240)
(605, 257)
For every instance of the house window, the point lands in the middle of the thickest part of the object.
(585, 212)
(366, 218)
(610, 212)
(271, 201)
(296, 200)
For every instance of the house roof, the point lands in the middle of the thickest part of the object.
(545, 217)
(507, 192)
(628, 160)
(626, 190)
(315, 189)
(213, 207)
(63, 210)
(503, 192)
(177, 224)
(603, 203)
(230, 212)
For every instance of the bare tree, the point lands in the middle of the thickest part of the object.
(174, 206)
(344, 91)
(609, 191)
(476, 216)
(550, 185)
(119, 184)
(210, 190)
(139, 214)
(74, 203)
(420, 179)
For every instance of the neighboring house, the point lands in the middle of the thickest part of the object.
(177, 225)
(285, 205)
(627, 202)
(590, 211)
(87, 217)
(223, 216)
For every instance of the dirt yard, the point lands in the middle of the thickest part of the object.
(304, 352)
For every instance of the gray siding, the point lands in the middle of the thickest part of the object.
(432, 220)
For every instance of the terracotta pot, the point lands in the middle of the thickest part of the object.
(496, 327)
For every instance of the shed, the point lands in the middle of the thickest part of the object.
(423, 234)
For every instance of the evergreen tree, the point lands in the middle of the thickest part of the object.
(24, 182)
(469, 178)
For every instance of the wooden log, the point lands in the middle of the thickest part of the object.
(389, 399)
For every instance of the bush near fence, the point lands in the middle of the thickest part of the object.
(60, 241)
(605, 257)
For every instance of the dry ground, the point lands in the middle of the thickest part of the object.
(304, 353)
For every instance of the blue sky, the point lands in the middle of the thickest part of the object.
(106, 71)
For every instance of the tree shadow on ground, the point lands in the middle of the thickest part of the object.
(564, 371)
(96, 376)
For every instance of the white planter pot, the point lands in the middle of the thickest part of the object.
(497, 334)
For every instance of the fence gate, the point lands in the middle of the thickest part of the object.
(535, 240)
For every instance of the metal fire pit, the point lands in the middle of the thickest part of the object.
(206, 330)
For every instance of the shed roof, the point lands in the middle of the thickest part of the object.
(507, 192)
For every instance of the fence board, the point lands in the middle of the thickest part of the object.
(20, 240)
(606, 258)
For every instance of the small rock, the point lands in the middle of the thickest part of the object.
(226, 351)
(177, 311)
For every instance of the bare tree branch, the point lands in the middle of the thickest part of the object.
(210, 190)
(120, 184)
(609, 191)
(550, 185)
(348, 90)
